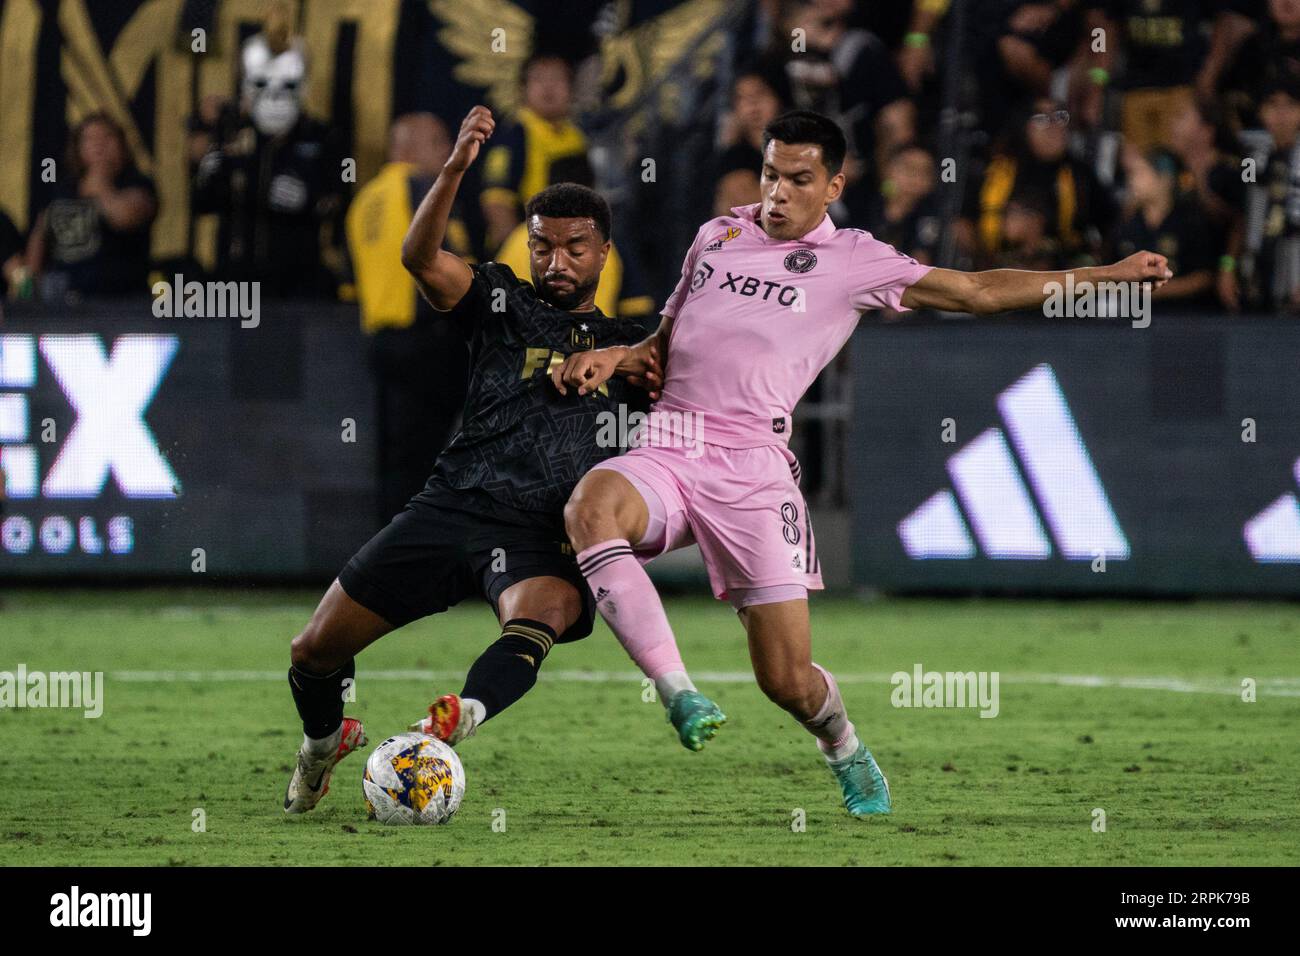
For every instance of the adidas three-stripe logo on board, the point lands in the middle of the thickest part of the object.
(989, 492)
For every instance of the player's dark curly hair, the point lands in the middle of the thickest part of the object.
(805, 126)
(571, 201)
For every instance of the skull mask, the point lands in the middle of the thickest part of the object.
(272, 85)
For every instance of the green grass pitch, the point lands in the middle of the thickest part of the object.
(1133, 708)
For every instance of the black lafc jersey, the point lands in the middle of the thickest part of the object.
(520, 440)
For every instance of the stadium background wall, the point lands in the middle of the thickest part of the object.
(1158, 419)
(176, 434)
(244, 455)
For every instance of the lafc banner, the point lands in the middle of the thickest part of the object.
(148, 63)
(1090, 457)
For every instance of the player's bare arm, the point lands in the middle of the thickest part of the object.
(1004, 290)
(641, 364)
(442, 276)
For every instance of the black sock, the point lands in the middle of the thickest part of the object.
(508, 669)
(319, 698)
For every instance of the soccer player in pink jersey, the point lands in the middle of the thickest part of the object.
(766, 299)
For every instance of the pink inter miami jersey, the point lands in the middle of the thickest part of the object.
(756, 319)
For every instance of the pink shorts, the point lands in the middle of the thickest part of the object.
(742, 506)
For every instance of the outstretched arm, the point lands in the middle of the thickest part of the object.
(642, 364)
(1005, 290)
(443, 277)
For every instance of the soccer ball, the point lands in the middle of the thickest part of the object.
(413, 779)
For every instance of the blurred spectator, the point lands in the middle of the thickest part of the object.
(273, 175)
(1162, 220)
(1234, 22)
(417, 356)
(849, 75)
(1163, 53)
(1268, 55)
(1027, 239)
(1035, 39)
(1212, 173)
(1011, 49)
(915, 56)
(540, 147)
(1268, 249)
(14, 282)
(1033, 160)
(904, 213)
(93, 238)
(755, 102)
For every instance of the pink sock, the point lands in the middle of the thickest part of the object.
(628, 602)
(830, 725)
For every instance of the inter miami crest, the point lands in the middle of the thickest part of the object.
(581, 338)
(801, 260)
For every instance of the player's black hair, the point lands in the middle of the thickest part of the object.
(571, 201)
(805, 126)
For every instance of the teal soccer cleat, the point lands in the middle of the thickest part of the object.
(695, 718)
(866, 791)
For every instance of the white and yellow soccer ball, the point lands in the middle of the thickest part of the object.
(413, 779)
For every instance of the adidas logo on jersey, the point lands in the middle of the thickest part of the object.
(731, 233)
(998, 505)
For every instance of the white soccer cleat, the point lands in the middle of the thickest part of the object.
(449, 720)
(311, 778)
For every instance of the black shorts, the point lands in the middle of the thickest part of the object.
(447, 545)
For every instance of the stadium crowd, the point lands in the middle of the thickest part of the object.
(997, 133)
(1089, 128)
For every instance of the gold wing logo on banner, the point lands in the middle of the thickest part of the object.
(98, 75)
(488, 59)
(96, 82)
(644, 53)
(631, 58)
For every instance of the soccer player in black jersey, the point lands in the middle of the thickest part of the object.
(490, 520)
